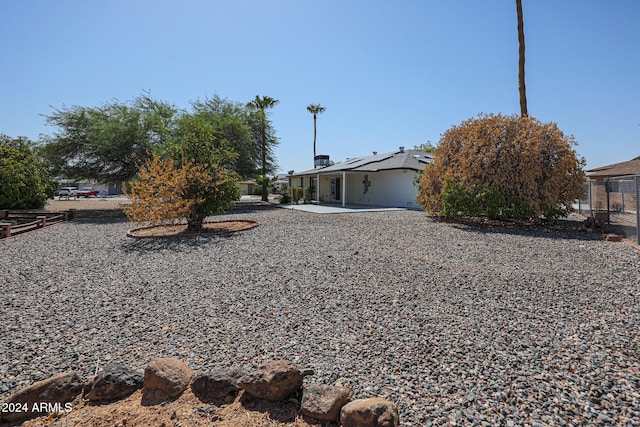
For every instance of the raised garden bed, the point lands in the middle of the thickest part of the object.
(18, 222)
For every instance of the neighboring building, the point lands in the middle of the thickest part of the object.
(247, 187)
(631, 167)
(281, 182)
(378, 180)
(613, 187)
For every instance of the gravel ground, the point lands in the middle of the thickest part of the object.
(458, 325)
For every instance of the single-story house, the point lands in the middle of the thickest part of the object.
(386, 179)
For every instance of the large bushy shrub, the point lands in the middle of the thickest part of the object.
(502, 167)
(24, 180)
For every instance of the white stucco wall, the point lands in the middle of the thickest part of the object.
(387, 188)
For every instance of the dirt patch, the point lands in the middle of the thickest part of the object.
(86, 204)
(187, 410)
(208, 228)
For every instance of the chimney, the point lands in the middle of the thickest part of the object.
(402, 149)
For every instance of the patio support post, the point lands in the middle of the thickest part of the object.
(638, 207)
(590, 200)
(318, 188)
(344, 189)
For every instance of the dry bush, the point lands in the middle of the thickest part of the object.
(516, 158)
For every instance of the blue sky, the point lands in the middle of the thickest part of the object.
(390, 73)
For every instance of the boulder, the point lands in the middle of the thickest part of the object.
(165, 379)
(114, 381)
(216, 384)
(42, 397)
(373, 412)
(323, 402)
(273, 380)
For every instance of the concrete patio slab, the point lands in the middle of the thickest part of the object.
(328, 209)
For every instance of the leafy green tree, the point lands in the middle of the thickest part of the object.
(197, 143)
(233, 122)
(315, 109)
(260, 105)
(109, 142)
(427, 147)
(25, 182)
(502, 166)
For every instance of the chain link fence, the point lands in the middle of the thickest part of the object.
(614, 201)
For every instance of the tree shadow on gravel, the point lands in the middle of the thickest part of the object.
(173, 243)
(242, 208)
(101, 216)
(117, 215)
(567, 229)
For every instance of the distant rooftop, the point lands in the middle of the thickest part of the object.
(631, 167)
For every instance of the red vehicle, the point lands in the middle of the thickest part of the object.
(87, 192)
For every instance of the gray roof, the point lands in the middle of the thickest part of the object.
(407, 159)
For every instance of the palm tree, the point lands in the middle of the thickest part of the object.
(315, 109)
(261, 104)
(521, 85)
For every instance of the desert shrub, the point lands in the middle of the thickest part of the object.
(308, 194)
(285, 197)
(297, 193)
(502, 167)
(457, 201)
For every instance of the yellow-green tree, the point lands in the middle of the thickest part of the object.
(518, 163)
(166, 193)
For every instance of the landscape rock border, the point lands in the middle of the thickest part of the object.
(132, 232)
(166, 379)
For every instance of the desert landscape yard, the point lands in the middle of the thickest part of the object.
(457, 324)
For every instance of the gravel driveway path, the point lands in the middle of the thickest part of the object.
(458, 325)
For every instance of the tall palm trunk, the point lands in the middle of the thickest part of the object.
(315, 109)
(265, 193)
(521, 85)
(315, 116)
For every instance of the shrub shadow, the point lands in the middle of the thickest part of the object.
(564, 229)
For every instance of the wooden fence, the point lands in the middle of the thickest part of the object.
(17, 222)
